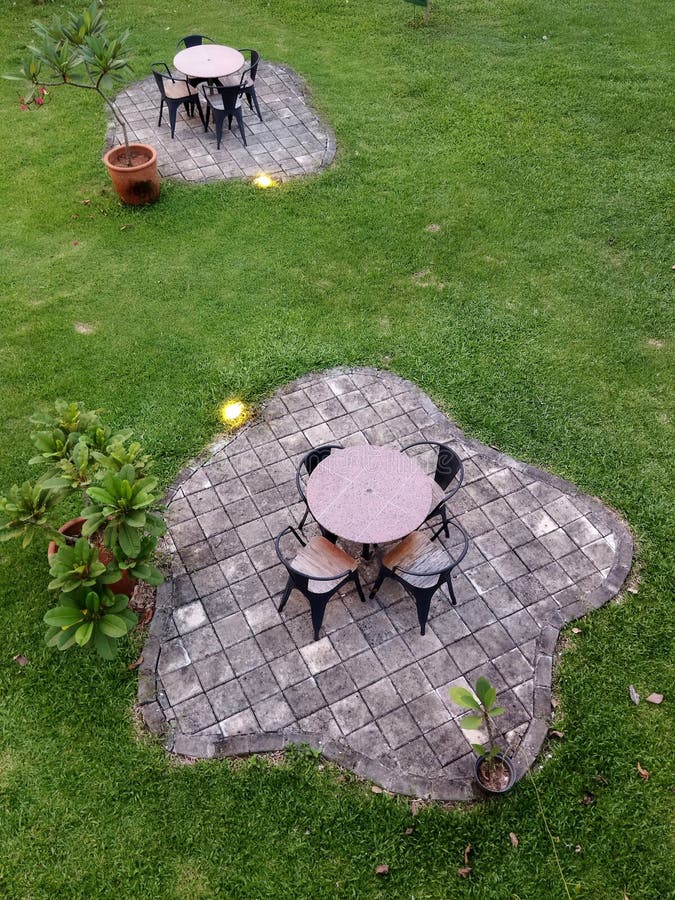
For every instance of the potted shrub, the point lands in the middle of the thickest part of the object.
(80, 51)
(494, 771)
(96, 559)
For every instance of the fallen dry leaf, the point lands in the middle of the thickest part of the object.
(600, 779)
(513, 838)
(408, 831)
(376, 789)
(135, 665)
(634, 696)
(576, 631)
(415, 806)
(654, 698)
(467, 850)
(577, 849)
(553, 732)
(382, 869)
(85, 202)
(642, 772)
(587, 799)
(20, 659)
(464, 871)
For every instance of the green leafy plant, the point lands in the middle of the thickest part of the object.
(120, 528)
(79, 51)
(484, 702)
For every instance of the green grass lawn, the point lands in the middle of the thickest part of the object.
(547, 331)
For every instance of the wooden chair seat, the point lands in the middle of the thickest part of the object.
(417, 552)
(320, 558)
(178, 90)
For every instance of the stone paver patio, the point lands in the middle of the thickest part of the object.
(290, 141)
(225, 674)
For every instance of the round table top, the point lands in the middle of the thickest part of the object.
(208, 61)
(370, 495)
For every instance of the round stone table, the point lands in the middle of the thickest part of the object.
(208, 61)
(370, 495)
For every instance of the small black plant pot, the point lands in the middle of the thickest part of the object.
(495, 786)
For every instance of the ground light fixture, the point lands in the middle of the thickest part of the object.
(233, 412)
(264, 181)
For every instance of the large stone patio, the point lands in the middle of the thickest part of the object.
(289, 142)
(225, 674)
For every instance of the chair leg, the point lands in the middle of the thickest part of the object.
(286, 594)
(444, 516)
(240, 120)
(173, 109)
(219, 131)
(199, 110)
(255, 102)
(453, 599)
(208, 117)
(328, 535)
(423, 602)
(301, 523)
(161, 110)
(382, 574)
(359, 589)
(317, 607)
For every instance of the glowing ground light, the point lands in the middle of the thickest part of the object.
(264, 181)
(232, 411)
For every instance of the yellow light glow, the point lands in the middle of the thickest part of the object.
(264, 181)
(232, 411)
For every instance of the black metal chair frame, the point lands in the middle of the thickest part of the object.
(422, 596)
(448, 468)
(194, 40)
(172, 103)
(229, 95)
(248, 86)
(308, 463)
(300, 581)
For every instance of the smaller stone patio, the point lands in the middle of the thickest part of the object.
(290, 141)
(224, 674)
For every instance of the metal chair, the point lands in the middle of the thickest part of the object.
(449, 469)
(422, 567)
(226, 103)
(175, 92)
(318, 570)
(248, 80)
(308, 463)
(194, 40)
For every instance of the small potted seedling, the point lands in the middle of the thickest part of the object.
(494, 771)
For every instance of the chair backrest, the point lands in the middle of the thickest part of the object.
(254, 58)
(161, 77)
(311, 460)
(448, 465)
(229, 94)
(193, 40)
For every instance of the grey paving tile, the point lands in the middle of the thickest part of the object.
(351, 713)
(398, 727)
(335, 683)
(273, 713)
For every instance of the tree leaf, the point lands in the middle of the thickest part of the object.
(113, 626)
(654, 698)
(382, 869)
(83, 633)
(470, 723)
(513, 838)
(634, 696)
(464, 871)
(462, 697)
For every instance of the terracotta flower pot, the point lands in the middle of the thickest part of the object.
(502, 781)
(138, 183)
(125, 585)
